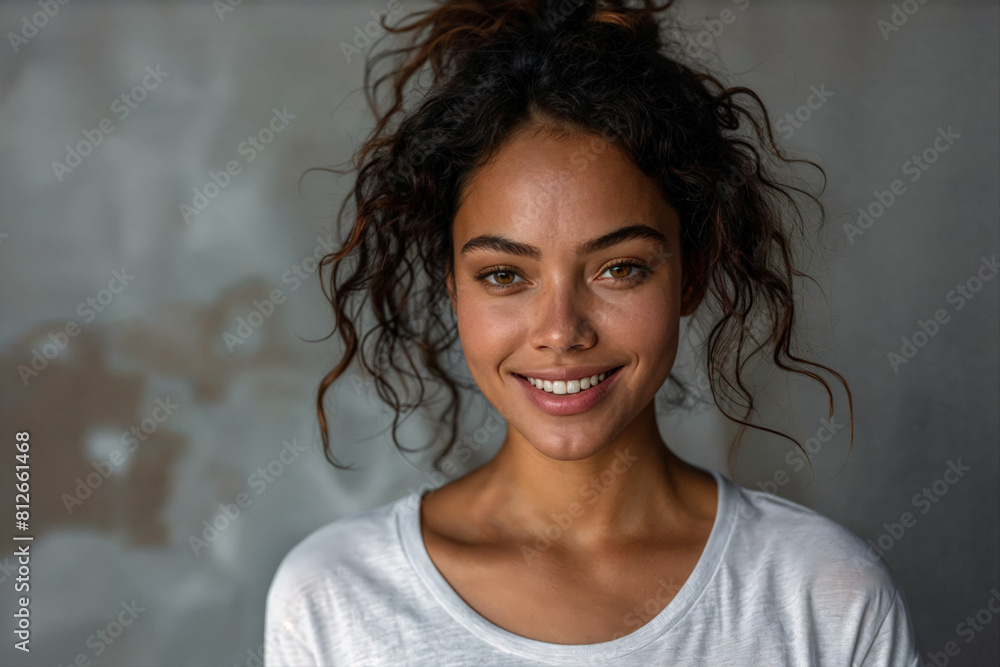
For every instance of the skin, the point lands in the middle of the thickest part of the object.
(640, 538)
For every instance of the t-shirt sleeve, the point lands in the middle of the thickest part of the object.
(287, 628)
(894, 644)
(282, 648)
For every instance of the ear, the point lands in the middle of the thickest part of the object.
(694, 281)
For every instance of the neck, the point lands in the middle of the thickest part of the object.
(635, 486)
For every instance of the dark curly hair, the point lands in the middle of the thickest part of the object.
(602, 68)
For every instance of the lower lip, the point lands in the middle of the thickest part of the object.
(568, 404)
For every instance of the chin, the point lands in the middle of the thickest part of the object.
(565, 447)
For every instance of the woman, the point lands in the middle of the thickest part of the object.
(563, 194)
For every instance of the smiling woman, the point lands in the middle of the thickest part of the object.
(563, 194)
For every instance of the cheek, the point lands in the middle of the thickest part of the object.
(483, 321)
(658, 334)
(641, 314)
(489, 330)
(646, 325)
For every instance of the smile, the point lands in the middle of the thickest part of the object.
(568, 397)
(569, 386)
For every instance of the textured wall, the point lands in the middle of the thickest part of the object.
(133, 303)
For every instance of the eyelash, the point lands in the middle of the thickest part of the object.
(642, 272)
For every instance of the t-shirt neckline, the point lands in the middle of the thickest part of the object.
(411, 538)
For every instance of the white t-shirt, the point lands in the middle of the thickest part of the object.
(777, 584)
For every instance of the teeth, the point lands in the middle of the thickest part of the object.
(568, 386)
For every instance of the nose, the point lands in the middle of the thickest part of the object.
(562, 319)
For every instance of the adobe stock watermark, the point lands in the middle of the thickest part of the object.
(581, 160)
(733, 180)
(247, 326)
(463, 451)
(556, 14)
(7, 569)
(121, 107)
(104, 637)
(794, 458)
(257, 658)
(914, 168)
(249, 148)
(296, 276)
(103, 469)
(88, 310)
(642, 614)
(456, 114)
(258, 481)
(452, 357)
(592, 489)
(924, 500)
(364, 384)
(794, 121)
(901, 13)
(695, 396)
(223, 7)
(695, 45)
(962, 293)
(968, 629)
(37, 21)
(451, 121)
(364, 38)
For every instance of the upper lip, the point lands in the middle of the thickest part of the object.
(566, 372)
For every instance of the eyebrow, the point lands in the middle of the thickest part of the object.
(511, 247)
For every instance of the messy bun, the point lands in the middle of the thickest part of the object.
(609, 68)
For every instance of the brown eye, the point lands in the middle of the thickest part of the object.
(498, 278)
(627, 273)
(627, 268)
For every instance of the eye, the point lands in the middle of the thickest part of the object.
(621, 270)
(627, 272)
(503, 277)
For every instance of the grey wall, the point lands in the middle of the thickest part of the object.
(161, 337)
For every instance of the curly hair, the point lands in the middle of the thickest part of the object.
(603, 68)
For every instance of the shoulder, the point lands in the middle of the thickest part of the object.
(801, 551)
(349, 564)
(811, 577)
(786, 530)
(350, 544)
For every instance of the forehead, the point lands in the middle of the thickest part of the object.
(558, 190)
